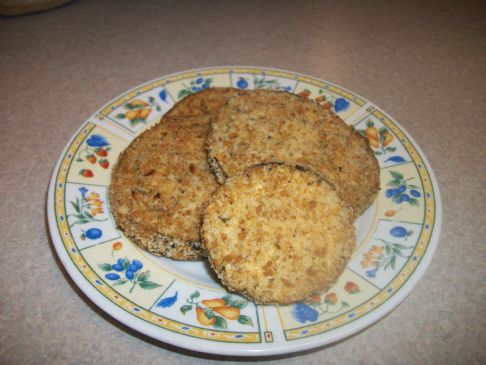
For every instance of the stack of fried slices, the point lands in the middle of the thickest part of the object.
(264, 184)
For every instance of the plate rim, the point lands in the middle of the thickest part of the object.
(241, 349)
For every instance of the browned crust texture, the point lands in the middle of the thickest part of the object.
(204, 102)
(159, 185)
(277, 233)
(263, 125)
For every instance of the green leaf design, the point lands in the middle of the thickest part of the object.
(394, 183)
(227, 299)
(412, 186)
(345, 304)
(135, 121)
(120, 282)
(239, 303)
(396, 175)
(158, 108)
(105, 267)
(151, 99)
(399, 246)
(126, 262)
(144, 275)
(413, 202)
(391, 149)
(378, 153)
(129, 106)
(245, 320)
(186, 308)
(396, 198)
(120, 116)
(399, 253)
(88, 214)
(234, 302)
(75, 206)
(182, 93)
(220, 323)
(392, 262)
(209, 313)
(81, 221)
(148, 285)
(388, 249)
(194, 295)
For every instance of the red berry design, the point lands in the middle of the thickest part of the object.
(102, 152)
(331, 298)
(305, 93)
(104, 163)
(91, 158)
(351, 287)
(86, 173)
(327, 105)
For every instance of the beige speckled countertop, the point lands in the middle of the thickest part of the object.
(422, 62)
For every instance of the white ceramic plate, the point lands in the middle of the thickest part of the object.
(164, 299)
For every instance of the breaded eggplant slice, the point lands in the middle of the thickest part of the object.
(278, 233)
(262, 125)
(159, 186)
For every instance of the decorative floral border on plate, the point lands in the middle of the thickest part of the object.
(155, 98)
(100, 283)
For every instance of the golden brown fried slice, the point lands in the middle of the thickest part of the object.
(159, 185)
(264, 126)
(277, 233)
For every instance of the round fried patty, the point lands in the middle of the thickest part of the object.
(159, 185)
(277, 233)
(263, 126)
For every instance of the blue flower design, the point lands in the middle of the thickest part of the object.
(415, 193)
(168, 302)
(242, 83)
(395, 159)
(400, 232)
(340, 105)
(97, 141)
(302, 312)
(199, 80)
(112, 276)
(83, 191)
(372, 273)
(163, 96)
